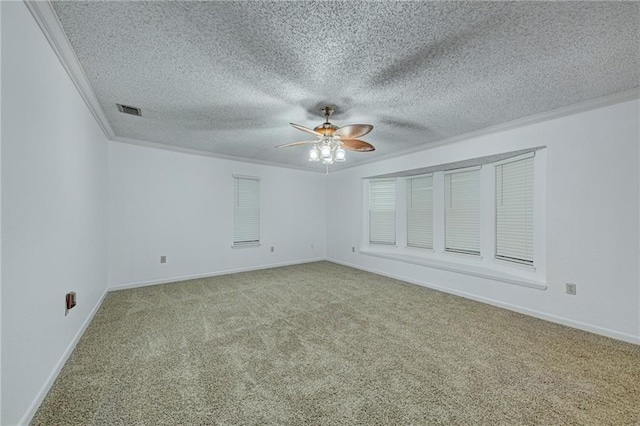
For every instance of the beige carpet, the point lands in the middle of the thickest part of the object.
(325, 344)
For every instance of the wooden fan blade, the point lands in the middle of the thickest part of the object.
(306, 129)
(357, 145)
(296, 144)
(353, 131)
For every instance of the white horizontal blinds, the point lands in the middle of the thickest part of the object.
(246, 211)
(462, 211)
(420, 212)
(382, 211)
(514, 210)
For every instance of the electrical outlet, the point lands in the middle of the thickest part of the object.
(353, 249)
(571, 289)
(272, 249)
(70, 301)
(311, 246)
(163, 259)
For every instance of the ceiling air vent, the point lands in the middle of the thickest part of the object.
(129, 110)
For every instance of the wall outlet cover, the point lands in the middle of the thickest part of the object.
(70, 301)
(163, 259)
(571, 289)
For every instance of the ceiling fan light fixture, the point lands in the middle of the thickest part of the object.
(314, 154)
(325, 151)
(333, 140)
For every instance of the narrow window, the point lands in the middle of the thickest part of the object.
(462, 211)
(246, 211)
(382, 211)
(514, 210)
(420, 212)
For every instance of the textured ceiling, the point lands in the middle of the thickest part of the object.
(228, 77)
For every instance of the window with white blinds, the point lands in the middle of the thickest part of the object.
(246, 211)
(514, 210)
(382, 211)
(462, 211)
(420, 212)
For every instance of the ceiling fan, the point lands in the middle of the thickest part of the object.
(333, 140)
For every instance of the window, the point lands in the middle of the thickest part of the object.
(462, 211)
(420, 212)
(246, 211)
(382, 211)
(483, 217)
(514, 209)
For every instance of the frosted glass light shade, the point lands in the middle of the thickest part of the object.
(327, 160)
(325, 151)
(314, 155)
(340, 155)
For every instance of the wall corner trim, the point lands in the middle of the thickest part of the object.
(588, 105)
(201, 153)
(591, 328)
(46, 387)
(47, 20)
(168, 280)
(51, 27)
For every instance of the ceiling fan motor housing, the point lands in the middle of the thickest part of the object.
(327, 129)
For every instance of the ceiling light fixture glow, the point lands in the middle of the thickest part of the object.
(325, 149)
(314, 154)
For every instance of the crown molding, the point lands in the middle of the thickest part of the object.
(47, 20)
(616, 98)
(51, 27)
(192, 151)
(604, 101)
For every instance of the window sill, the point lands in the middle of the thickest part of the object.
(241, 246)
(475, 271)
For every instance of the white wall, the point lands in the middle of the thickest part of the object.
(0, 216)
(592, 220)
(54, 213)
(180, 205)
(70, 200)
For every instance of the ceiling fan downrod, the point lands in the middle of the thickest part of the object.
(326, 129)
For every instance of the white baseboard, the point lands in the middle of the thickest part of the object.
(46, 387)
(124, 286)
(531, 312)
